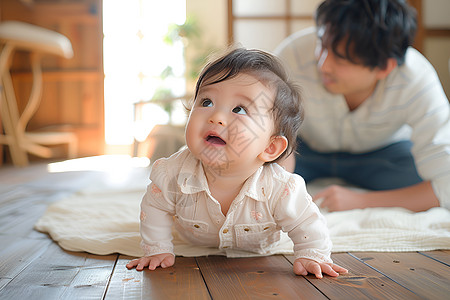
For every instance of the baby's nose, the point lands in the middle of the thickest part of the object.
(217, 118)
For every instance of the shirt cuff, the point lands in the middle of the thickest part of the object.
(156, 248)
(313, 255)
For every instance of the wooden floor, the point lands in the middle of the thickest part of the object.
(32, 266)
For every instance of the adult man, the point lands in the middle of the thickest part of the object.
(375, 112)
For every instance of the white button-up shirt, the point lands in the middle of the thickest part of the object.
(270, 201)
(409, 104)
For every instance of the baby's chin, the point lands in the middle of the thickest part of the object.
(218, 166)
(211, 163)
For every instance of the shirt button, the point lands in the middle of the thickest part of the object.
(225, 230)
(265, 228)
(196, 226)
(246, 229)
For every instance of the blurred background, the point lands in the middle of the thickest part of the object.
(135, 63)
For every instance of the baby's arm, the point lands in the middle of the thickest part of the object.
(157, 210)
(164, 260)
(301, 219)
(303, 266)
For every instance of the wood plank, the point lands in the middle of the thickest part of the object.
(68, 182)
(10, 175)
(53, 10)
(442, 256)
(58, 274)
(420, 274)
(13, 195)
(255, 278)
(22, 205)
(182, 281)
(93, 276)
(38, 179)
(16, 254)
(17, 199)
(20, 220)
(59, 75)
(361, 282)
(438, 32)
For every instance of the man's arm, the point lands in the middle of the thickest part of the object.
(419, 197)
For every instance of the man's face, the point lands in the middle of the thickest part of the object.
(341, 76)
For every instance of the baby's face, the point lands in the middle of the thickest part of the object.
(231, 123)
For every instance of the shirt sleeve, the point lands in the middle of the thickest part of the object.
(300, 217)
(157, 211)
(428, 115)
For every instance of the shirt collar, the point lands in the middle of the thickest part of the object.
(192, 177)
(257, 186)
(192, 180)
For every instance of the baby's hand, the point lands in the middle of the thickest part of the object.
(164, 260)
(303, 266)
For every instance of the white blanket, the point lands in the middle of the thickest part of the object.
(104, 219)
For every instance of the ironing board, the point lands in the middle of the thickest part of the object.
(38, 41)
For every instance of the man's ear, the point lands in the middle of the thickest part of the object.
(275, 148)
(391, 65)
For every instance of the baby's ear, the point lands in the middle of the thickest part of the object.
(275, 148)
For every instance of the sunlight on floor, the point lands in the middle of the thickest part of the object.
(105, 163)
(118, 171)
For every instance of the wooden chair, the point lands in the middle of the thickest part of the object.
(38, 41)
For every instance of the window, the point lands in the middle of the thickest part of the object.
(135, 56)
(264, 24)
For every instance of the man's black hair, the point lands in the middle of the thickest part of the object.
(372, 30)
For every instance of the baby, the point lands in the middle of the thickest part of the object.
(225, 189)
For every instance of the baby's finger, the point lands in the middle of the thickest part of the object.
(168, 261)
(142, 263)
(315, 269)
(154, 263)
(132, 264)
(299, 269)
(339, 269)
(327, 269)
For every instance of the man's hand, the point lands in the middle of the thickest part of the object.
(303, 266)
(164, 260)
(418, 197)
(337, 198)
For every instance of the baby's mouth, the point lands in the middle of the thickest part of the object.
(215, 140)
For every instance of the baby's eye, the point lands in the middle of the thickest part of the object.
(239, 110)
(206, 103)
